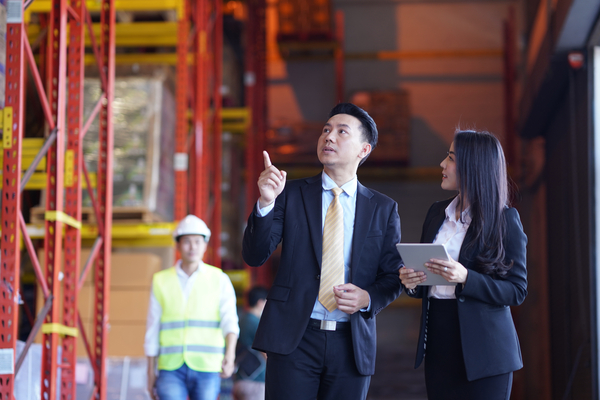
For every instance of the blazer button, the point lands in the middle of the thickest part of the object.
(461, 299)
(317, 277)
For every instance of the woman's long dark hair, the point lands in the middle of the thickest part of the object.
(483, 183)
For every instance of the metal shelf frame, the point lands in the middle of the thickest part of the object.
(63, 108)
(255, 78)
(68, 29)
(62, 55)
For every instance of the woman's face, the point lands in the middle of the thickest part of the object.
(449, 176)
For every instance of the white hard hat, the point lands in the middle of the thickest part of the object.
(191, 225)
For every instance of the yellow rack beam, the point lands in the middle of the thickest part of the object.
(29, 150)
(119, 231)
(38, 181)
(144, 58)
(30, 147)
(43, 6)
(130, 235)
(134, 34)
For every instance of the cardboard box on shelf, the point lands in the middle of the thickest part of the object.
(129, 305)
(131, 280)
(143, 116)
(126, 339)
(128, 269)
(126, 305)
(391, 111)
(166, 254)
(133, 270)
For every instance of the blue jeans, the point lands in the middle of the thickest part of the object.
(185, 382)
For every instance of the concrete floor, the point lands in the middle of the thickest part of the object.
(394, 379)
(397, 332)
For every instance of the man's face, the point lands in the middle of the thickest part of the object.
(191, 248)
(341, 144)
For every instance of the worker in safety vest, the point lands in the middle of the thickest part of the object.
(192, 326)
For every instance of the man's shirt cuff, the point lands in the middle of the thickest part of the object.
(264, 211)
(368, 308)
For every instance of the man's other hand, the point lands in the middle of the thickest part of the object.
(351, 298)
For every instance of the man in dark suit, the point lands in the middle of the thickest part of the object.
(318, 349)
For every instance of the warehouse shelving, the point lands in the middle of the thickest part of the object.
(57, 166)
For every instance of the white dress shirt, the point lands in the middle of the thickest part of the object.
(451, 235)
(228, 311)
(348, 201)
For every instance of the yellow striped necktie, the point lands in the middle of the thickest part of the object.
(332, 264)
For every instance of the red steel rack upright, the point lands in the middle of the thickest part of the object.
(59, 318)
(56, 66)
(255, 78)
(12, 135)
(198, 190)
(59, 84)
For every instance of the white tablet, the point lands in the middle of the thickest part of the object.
(415, 255)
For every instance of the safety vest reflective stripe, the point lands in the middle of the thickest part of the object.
(192, 348)
(190, 323)
(205, 349)
(203, 324)
(172, 325)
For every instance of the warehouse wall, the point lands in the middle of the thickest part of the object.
(569, 218)
(443, 92)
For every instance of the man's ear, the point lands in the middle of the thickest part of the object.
(365, 151)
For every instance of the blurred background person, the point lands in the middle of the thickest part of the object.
(192, 326)
(250, 376)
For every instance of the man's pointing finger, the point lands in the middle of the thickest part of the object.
(267, 159)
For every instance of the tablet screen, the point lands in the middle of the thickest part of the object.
(415, 255)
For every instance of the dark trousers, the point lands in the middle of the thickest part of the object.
(445, 373)
(321, 367)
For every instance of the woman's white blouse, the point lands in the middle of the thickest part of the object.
(451, 235)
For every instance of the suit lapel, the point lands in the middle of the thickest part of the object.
(312, 195)
(365, 209)
(434, 226)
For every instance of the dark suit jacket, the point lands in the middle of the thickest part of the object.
(488, 335)
(296, 220)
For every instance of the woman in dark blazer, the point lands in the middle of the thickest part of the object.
(468, 337)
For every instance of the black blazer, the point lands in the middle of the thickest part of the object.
(488, 335)
(296, 220)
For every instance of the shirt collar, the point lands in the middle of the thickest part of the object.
(181, 272)
(451, 213)
(348, 187)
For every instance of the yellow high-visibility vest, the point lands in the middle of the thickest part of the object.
(190, 333)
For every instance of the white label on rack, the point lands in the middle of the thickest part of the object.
(14, 11)
(249, 78)
(160, 231)
(7, 361)
(181, 162)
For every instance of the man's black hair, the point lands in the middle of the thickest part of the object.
(369, 128)
(255, 294)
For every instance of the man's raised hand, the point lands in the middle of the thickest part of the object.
(270, 182)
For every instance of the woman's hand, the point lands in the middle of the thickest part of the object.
(451, 270)
(410, 279)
